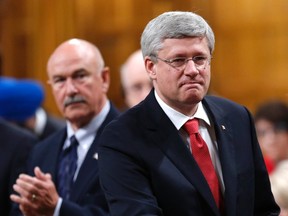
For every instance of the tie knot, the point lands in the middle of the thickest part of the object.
(192, 126)
(73, 140)
(73, 144)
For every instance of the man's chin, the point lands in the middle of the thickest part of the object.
(195, 95)
(193, 100)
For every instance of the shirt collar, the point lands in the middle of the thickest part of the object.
(179, 119)
(40, 121)
(92, 127)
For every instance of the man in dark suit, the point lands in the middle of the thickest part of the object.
(15, 145)
(80, 82)
(149, 157)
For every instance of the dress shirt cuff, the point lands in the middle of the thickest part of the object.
(58, 206)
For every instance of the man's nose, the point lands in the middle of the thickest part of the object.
(191, 67)
(70, 86)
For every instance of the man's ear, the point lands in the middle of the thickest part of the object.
(105, 75)
(150, 67)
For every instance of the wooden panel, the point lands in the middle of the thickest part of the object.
(249, 63)
(11, 16)
(251, 50)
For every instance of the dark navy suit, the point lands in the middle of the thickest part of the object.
(146, 169)
(15, 145)
(87, 197)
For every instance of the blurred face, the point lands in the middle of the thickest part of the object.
(273, 142)
(138, 87)
(79, 85)
(137, 84)
(181, 87)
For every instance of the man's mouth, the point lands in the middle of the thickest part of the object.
(190, 84)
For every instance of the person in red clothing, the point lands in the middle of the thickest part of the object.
(271, 122)
(269, 164)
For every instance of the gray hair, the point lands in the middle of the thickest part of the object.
(174, 24)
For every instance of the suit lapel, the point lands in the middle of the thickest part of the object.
(86, 173)
(224, 135)
(89, 168)
(51, 164)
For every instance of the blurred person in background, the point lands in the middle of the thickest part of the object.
(22, 105)
(279, 186)
(135, 81)
(271, 122)
(15, 146)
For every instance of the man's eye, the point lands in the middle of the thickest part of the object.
(199, 59)
(59, 80)
(80, 76)
(178, 61)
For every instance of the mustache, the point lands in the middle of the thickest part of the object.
(74, 99)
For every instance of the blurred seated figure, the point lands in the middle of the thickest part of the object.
(15, 145)
(271, 121)
(279, 186)
(21, 103)
(135, 81)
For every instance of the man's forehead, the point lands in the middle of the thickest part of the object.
(178, 44)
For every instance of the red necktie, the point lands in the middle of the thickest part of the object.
(201, 155)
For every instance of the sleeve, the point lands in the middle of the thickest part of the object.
(123, 177)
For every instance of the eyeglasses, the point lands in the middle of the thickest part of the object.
(180, 63)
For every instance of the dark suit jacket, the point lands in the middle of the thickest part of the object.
(87, 197)
(15, 144)
(146, 169)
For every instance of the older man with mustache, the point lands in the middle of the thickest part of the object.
(62, 174)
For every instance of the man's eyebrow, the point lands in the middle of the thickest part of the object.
(80, 70)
